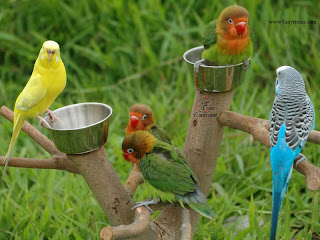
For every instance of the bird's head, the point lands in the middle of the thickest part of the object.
(141, 118)
(50, 52)
(233, 22)
(136, 145)
(289, 80)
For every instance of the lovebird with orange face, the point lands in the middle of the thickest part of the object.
(165, 171)
(227, 39)
(142, 118)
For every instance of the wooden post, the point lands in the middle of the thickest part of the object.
(202, 148)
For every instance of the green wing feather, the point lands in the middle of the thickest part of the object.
(210, 36)
(160, 133)
(169, 178)
(165, 170)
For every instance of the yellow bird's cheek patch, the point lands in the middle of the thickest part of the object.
(57, 59)
(42, 57)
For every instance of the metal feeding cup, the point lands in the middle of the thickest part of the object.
(214, 78)
(81, 127)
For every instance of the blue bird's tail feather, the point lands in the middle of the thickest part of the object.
(276, 205)
(197, 201)
(279, 189)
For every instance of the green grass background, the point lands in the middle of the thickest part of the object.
(121, 52)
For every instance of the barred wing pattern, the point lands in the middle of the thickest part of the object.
(298, 114)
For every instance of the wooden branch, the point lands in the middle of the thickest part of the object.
(105, 185)
(140, 225)
(34, 133)
(259, 129)
(312, 174)
(56, 162)
(186, 229)
(134, 180)
(114, 200)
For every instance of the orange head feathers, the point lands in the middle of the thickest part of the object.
(141, 118)
(233, 22)
(136, 145)
(233, 33)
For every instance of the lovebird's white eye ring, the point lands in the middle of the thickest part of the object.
(144, 117)
(130, 150)
(230, 21)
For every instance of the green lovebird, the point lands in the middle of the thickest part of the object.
(165, 171)
(227, 39)
(142, 118)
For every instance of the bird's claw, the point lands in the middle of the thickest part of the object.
(300, 158)
(146, 205)
(44, 122)
(246, 64)
(196, 66)
(52, 115)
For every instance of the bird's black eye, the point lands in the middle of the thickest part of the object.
(130, 150)
(230, 21)
(144, 117)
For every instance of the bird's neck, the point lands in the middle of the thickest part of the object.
(292, 88)
(146, 141)
(231, 45)
(55, 63)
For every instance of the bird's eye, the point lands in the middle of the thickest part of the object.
(130, 150)
(144, 117)
(230, 21)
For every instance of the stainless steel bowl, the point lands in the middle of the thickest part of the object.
(81, 127)
(214, 78)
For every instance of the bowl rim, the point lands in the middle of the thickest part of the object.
(208, 66)
(79, 104)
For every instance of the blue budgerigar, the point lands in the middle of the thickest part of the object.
(292, 118)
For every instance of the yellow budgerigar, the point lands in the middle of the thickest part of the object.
(47, 81)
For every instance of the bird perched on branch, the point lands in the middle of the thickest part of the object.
(47, 81)
(142, 118)
(227, 39)
(165, 171)
(292, 118)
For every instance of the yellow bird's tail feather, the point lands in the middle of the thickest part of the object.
(18, 121)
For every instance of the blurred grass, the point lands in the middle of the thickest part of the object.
(122, 52)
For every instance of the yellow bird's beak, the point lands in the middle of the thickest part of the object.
(50, 54)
